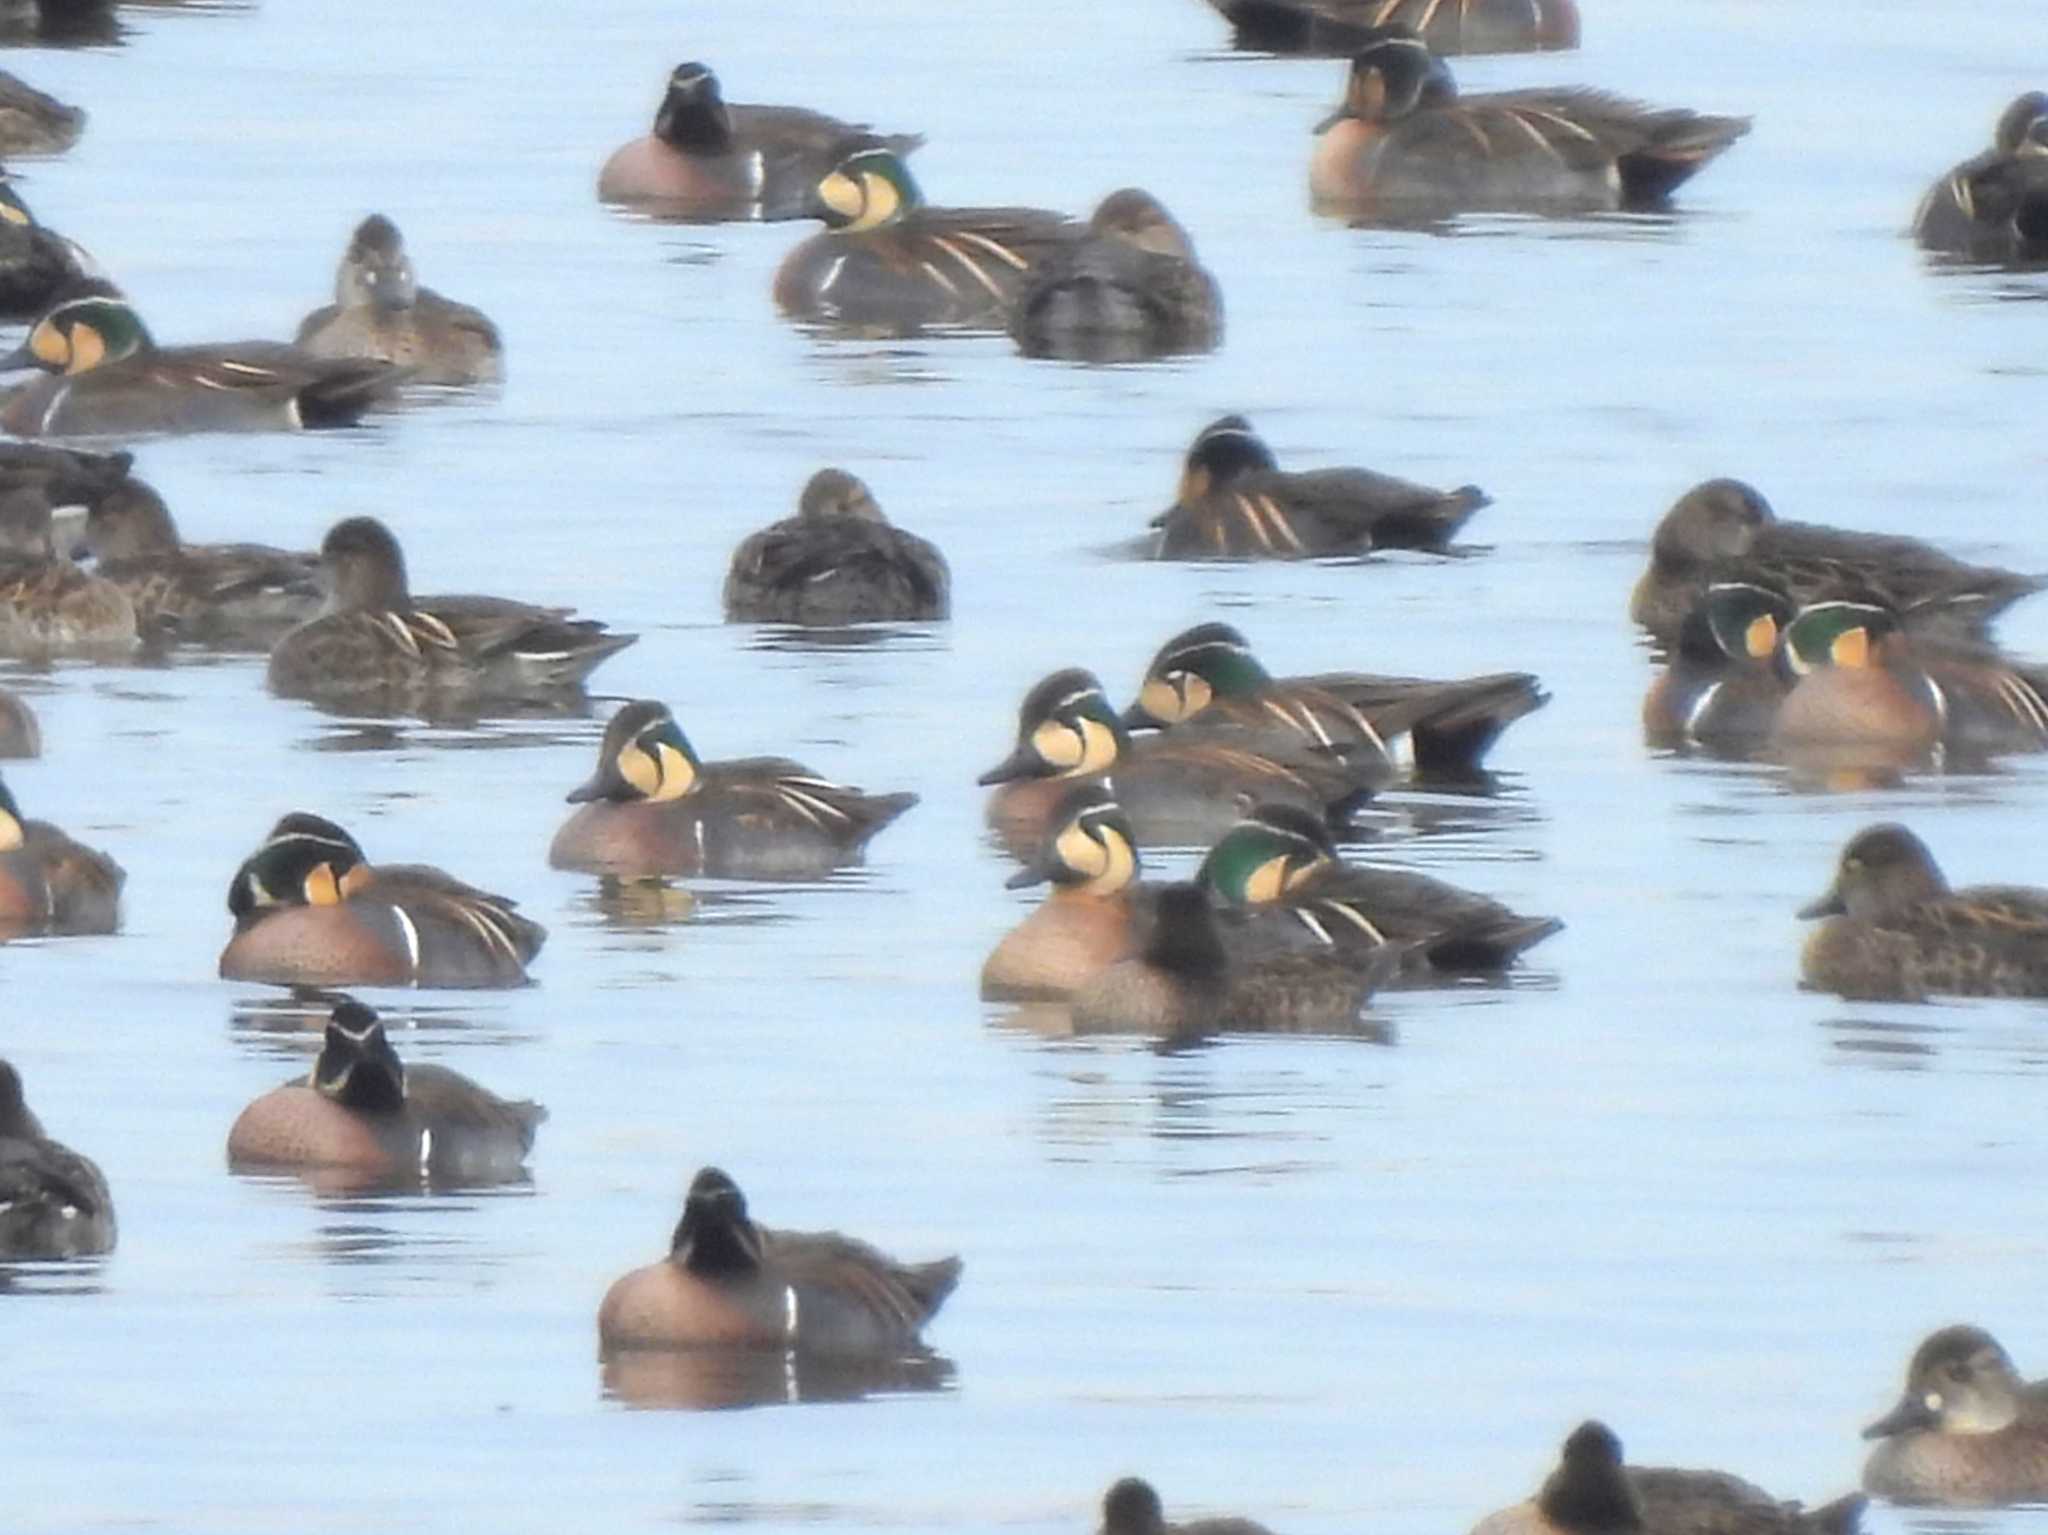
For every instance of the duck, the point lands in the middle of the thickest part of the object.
(708, 159)
(1447, 26)
(888, 262)
(1095, 914)
(50, 883)
(227, 596)
(1866, 677)
(54, 1201)
(33, 123)
(1994, 206)
(1208, 675)
(1724, 530)
(1279, 874)
(653, 807)
(1723, 685)
(371, 640)
(69, 477)
(1236, 503)
(1967, 1433)
(309, 910)
(837, 561)
(380, 312)
(1186, 983)
(1130, 288)
(1404, 142)
(21, 734)
(48, 606)
(1179, 789)
(1891, 929)
(728, 1283)
(39, 268)
(1132, 1507)
(106, 376)
(363, 1110)
(1593, 1493)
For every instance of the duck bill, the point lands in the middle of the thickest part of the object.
(1021, 763)
(1026, 877)
(21, 357)
(1329, 122)
(1828, 905)
(597, 786)
(1912, 1413)
(1138, 717)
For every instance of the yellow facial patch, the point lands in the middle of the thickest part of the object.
(357, 879)
(1851, 648)
(1267, 882)
(14, 213)
(50, 346)
(321, 888)
(1194, 484)
(1119, 862)
(1080, 852)
(879, 203)
(842, 194)
(10, 833)
(88, 349)
(1059, 745)
(1299, 870)
(1163, 701)
(1098, 748)
(1761, 637)
(1369, 95)
(678, 777)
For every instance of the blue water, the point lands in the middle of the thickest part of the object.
(1333, 1284)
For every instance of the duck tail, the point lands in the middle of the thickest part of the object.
(1680, 143)
(1842, 1517)
(340, 395)
(1453, 737)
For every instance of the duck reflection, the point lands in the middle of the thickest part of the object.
(699, 1379)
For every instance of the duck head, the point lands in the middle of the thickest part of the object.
(1884, 869)
(1265, 856)
(375, 271)
(870, 188)
(692, 115)
(644, 756)
(1958, 1382)
(306, 860)
(1065, 729)
(1089, 845)
(1193, 668)
(715, 1238)
(363, 569)
(1221, 452)
(81, 334)
(357, 1067)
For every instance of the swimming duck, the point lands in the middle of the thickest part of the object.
(1994, 206)
(32, 123)
(708, 159)
(372, 640)
(1095, 913)
(66, 476)
(1448, 26)
(1236, 503)
(838, 561)
(1967, 1433)
(1724, 530)
(381, 312)
(654, 807)
(1179, 789)
(1403, 141)
(1592, 1493)
(39, 268)
(53, 1202)
(51, 884)
(1132, 1507)
(1131, 288)
(309, 911)
(1894, 931)
(1280, 875)
(1185, 982)
(1866, 677)
(1723, 685)
(107, 376)
(232, 596)
(48, 606)
(362, 1110)
(887, 261)
(20, 733)
(1208, 675)
(729, 1283)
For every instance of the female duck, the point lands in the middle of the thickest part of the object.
(1724, 530)
(708, 159)
(309, 911)
(1236, 503)
(1403, 141)
(373, 640)
(1131, 288)
(1967, 1433)
(1279, 873)
(728, 1283)
(32, 123)
(381, 312)
(48, 606)
(654, 807)
(364, 1112)
(888, 261)
(1207, 675)
(1132, 1507)
(1180, 789)
(21, 734)
(1592, 1493)
(1095, 913)
(1994, 206)
(53, 1202)
(1895, 931)
(107, 376)
(838, 561)
(232, 596)
(1447, 26)
(51, 884)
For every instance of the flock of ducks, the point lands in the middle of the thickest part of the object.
(1776, 636)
